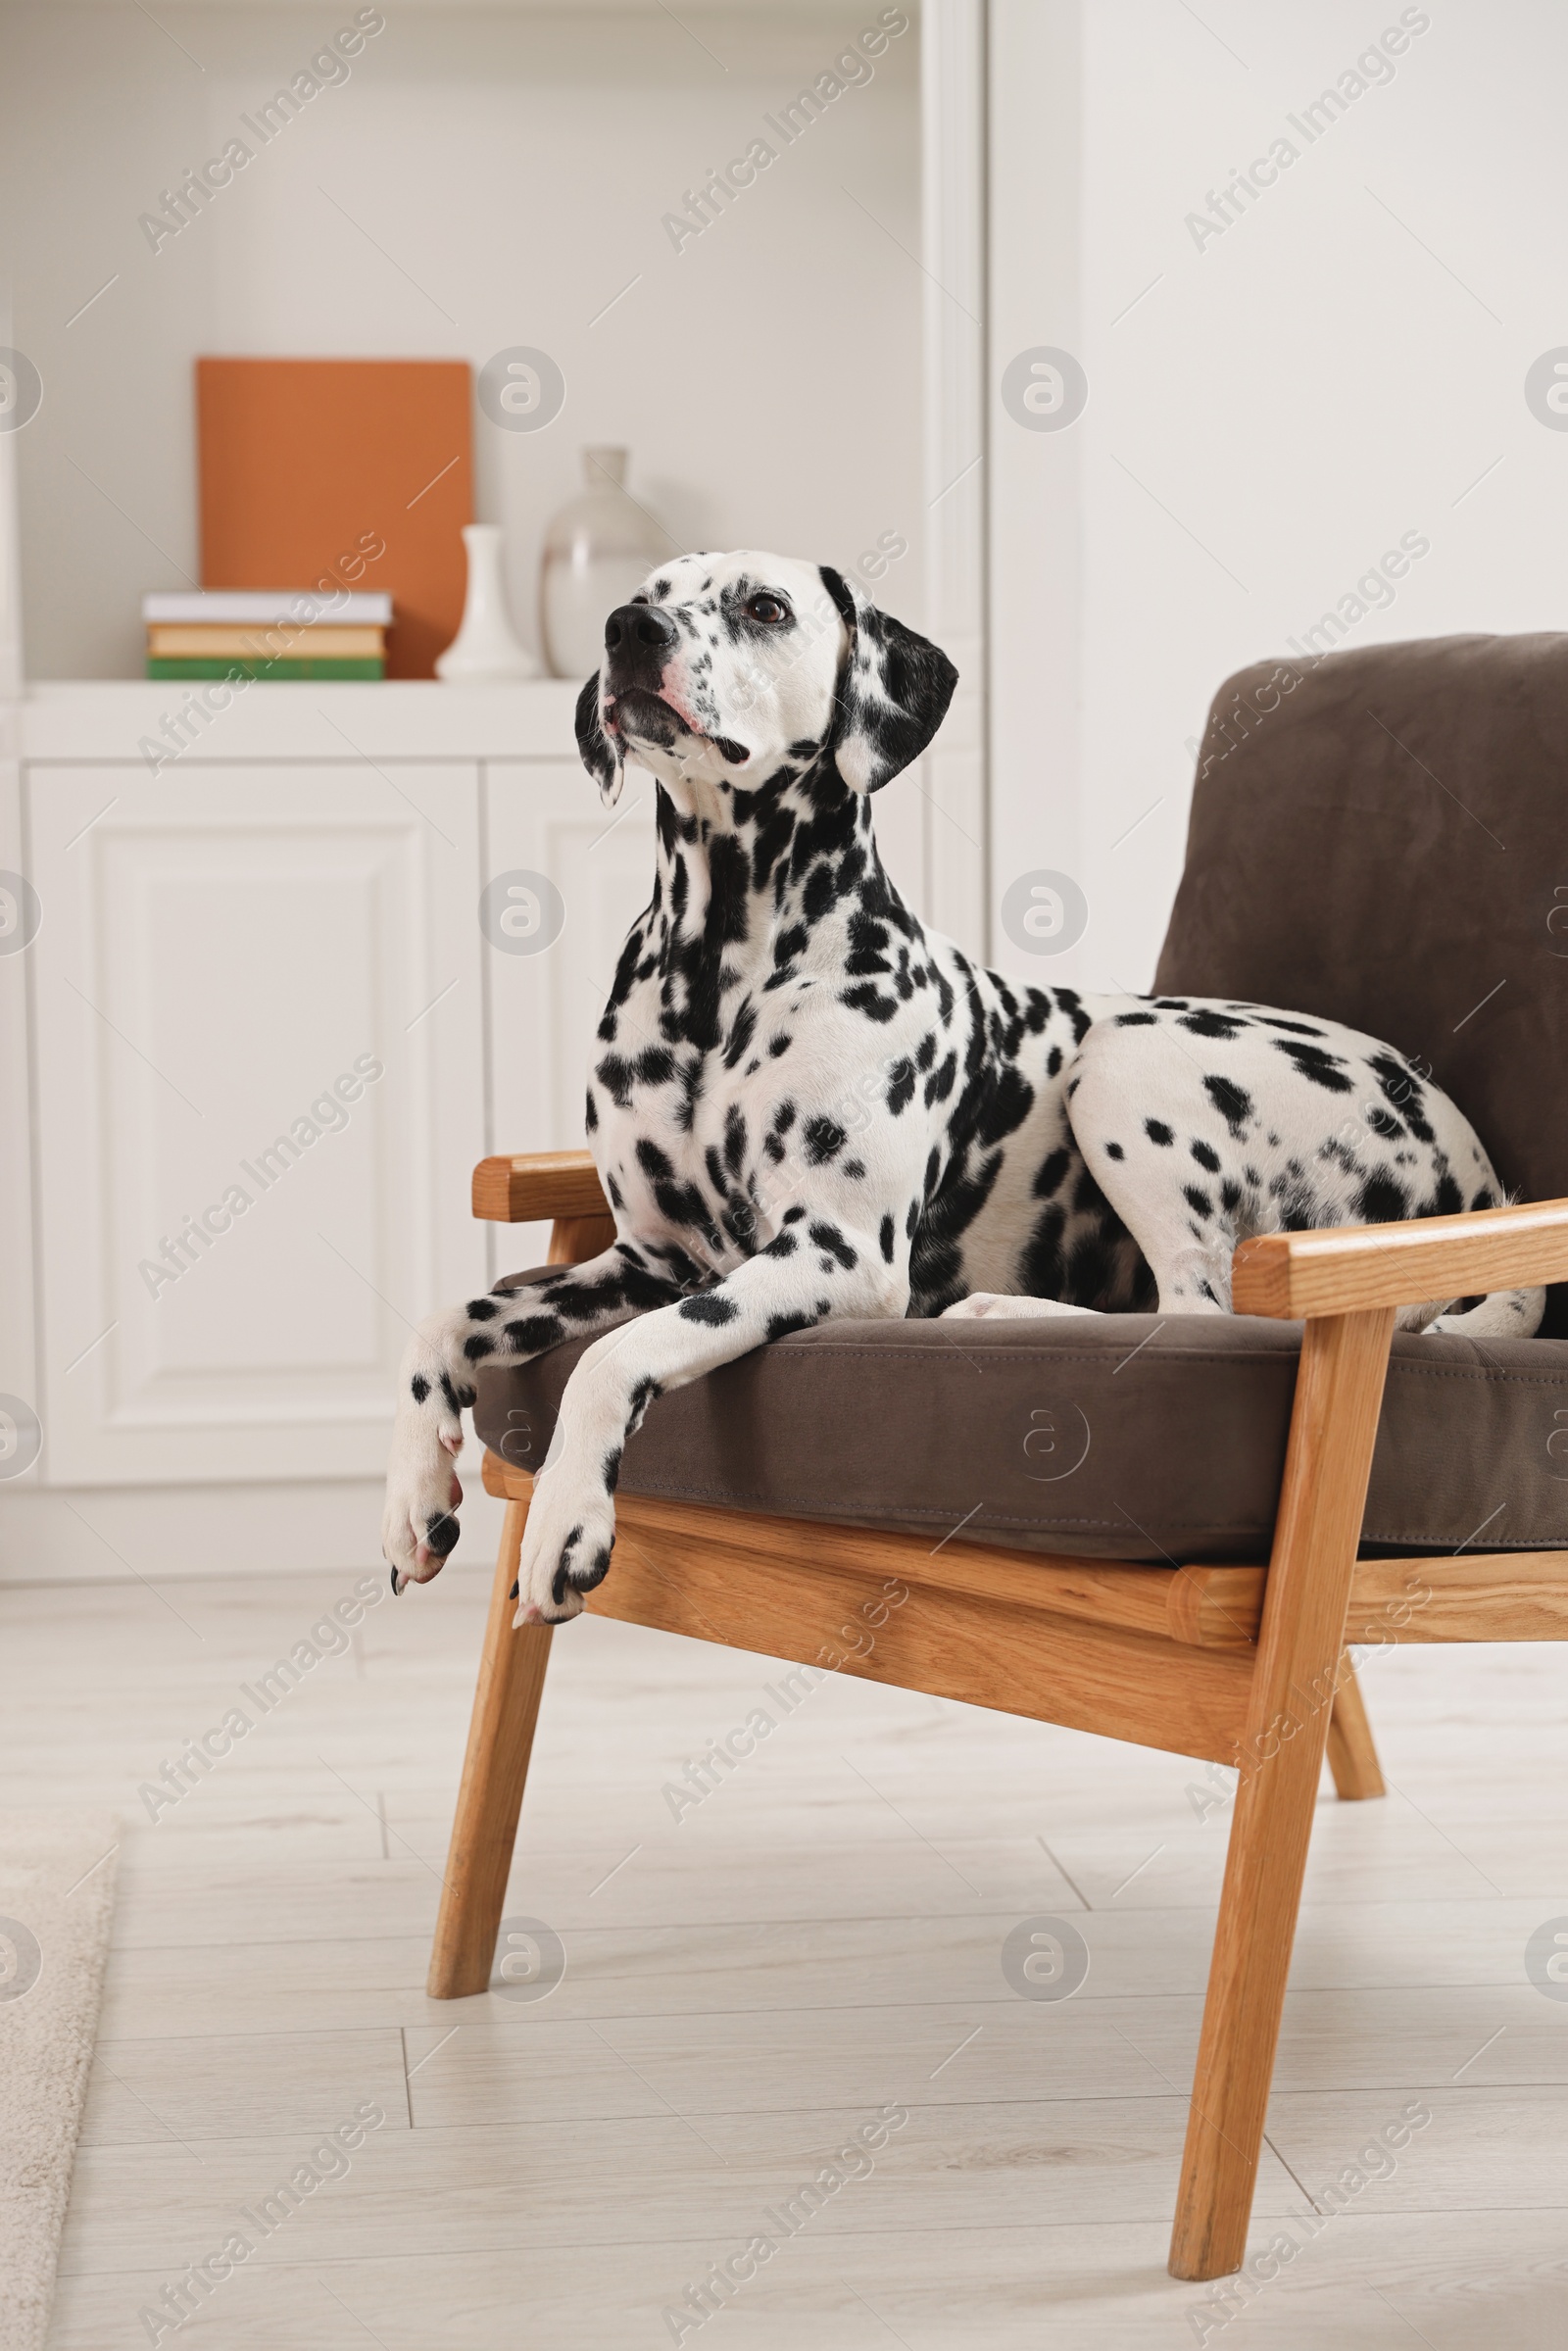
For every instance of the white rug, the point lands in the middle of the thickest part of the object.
(57, 1898)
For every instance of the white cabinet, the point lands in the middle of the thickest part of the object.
(285, 992)
(268, 1038)
(260, 1089)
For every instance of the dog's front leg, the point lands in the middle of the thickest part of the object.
(435, 1384)
(817, 1268)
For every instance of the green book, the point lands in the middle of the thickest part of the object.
(296, 668)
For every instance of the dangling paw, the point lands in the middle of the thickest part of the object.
(566, 1547)
(420, 1526)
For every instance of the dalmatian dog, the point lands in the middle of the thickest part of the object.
(803, 1106)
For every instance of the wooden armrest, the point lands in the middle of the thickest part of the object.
(537, 1185)
(1343, 1271)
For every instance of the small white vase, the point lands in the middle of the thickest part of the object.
(485, 651)
(598, 550)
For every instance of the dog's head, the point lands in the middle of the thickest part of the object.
(723, 668)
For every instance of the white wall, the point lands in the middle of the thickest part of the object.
(1342, 366)
(514, 166)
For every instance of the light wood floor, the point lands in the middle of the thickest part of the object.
(748, 1985)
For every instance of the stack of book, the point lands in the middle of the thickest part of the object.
(255, 633)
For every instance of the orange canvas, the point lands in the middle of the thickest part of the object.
(350, 471)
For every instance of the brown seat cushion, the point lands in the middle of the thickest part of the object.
(1126, 1438)
(1377, 839)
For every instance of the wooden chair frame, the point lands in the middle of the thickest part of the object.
(1245, 1666)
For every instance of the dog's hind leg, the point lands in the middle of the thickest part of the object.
(1168, 1180)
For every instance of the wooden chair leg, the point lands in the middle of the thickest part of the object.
(1301, 1646)
(1353, 1755)
(506, 1708)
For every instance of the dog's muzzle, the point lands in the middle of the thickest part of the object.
(639, 639)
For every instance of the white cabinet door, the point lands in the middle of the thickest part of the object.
(545, 823)
(260, 1089)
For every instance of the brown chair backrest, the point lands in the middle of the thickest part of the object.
(1382, 838)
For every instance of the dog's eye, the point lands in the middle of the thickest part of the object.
(766, 608)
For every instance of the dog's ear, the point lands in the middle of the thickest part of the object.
(602, 758)
(893, 691)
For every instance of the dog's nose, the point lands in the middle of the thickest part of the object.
(633, 624)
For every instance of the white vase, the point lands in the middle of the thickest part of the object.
(598, 550)
(485, 650)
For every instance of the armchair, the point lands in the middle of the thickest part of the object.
(1180, 1525)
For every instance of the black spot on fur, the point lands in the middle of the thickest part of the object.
(1048, 1174)
(1206, 1156)
(420, 1387)
(588, 1579)
(742, 1031)
(1382, 1200)
(1233, 1102)
(1317, 1066)
(871, 1002)
(533, 1334)
(885, 1238)
(708, 1307)
(780, 1326)
(1446, 1199)
(832, 1243)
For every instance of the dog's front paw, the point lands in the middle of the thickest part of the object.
(565, 1548)
(420, 1526)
